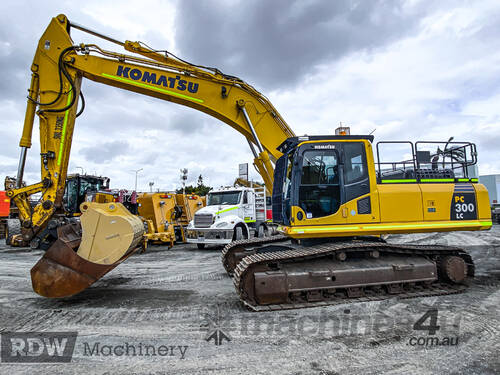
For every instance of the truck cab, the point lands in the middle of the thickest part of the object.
(232, 213)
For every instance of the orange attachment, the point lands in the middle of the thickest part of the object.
(4, 204)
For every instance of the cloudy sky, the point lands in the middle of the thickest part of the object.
(409, 69)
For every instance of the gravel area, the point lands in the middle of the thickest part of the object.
(182, 300)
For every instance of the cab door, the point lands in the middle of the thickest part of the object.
(360, 202)
(319, 186)
(248, 206)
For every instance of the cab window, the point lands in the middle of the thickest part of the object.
(355, 165)
(319, 191)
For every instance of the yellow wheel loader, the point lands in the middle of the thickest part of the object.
(331, 197)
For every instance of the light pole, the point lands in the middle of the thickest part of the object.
(83, 172)
(136, 173)
(184, 176)
(151, 183)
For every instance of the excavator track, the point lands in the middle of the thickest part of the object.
(270, 268)
(233, 252)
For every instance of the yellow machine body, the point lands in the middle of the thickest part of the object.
(157, 209)
(397, 206)
(190, 203)
(103, 197)
(167, 215)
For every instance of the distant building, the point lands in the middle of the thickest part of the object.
(492, 183)
(472, 171)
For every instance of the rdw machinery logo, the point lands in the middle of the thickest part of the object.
(37, 347)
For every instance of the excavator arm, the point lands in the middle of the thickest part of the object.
(107, 234)
(58, 69)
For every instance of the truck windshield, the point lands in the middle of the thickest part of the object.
(224, 197)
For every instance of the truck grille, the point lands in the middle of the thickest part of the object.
(203, 220)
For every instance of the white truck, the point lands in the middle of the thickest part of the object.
(492, 183)
(231, 213)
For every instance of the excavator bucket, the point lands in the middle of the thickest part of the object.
(84, 253)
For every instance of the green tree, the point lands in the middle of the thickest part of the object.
(199, 189)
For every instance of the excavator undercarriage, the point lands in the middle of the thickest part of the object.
(275, 274)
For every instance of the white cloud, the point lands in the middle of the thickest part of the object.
(431, 85)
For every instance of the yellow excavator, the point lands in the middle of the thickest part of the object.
(331, 198)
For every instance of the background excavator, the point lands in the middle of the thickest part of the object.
(79, 188)
(328, 195)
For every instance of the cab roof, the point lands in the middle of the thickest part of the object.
(292, 142)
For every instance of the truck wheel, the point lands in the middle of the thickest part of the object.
(238, 233)
(201, 246)
(262, 232)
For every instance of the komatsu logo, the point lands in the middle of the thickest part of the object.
(324, 147)
(160, 80)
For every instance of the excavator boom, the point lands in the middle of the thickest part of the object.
(57, 71)
(58, 68)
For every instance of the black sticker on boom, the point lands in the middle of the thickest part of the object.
(463, 203)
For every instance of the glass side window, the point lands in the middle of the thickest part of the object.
(319, 167)
(355, 166)
(86, 187)
(287, 187)
(319, 192)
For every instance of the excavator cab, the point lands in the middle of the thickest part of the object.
(317, 174)
(79, 188)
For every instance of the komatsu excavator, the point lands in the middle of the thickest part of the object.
(330, 200)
